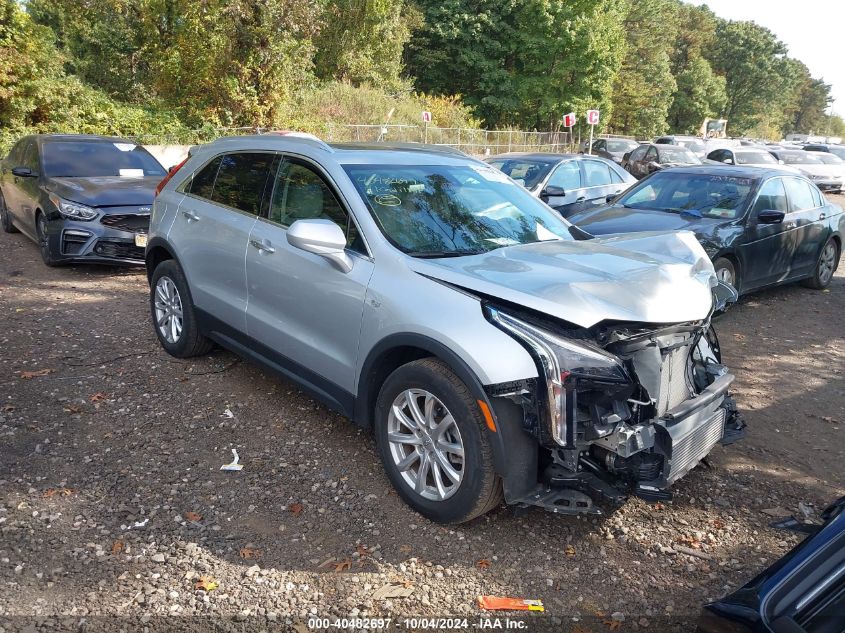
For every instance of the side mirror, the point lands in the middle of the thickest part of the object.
(552, 192)
(321, 237)
(23, 172)
(723, 295)
(780, 162)
(770, 216)
(610, 197)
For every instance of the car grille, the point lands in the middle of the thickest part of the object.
(674, 379)
(118, 250)
(131, 222)
(693, 447)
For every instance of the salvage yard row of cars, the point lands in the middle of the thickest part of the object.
(496, 349)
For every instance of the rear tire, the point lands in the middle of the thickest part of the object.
(6, 217)
(172, 309)
(449, 442)
(826, 265)
(725, 271)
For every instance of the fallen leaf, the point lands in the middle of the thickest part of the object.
(362, 551)
(718, 524)
(296, 509)
(483, 563)
(27, 375)
(405, 549)
(206, 583)
(117, 547)
(193, 516)
(98, 397)
(72, 408)
(658, 506)
(690, 540)
(326, 563)
(52, 492)
(249, 553)
(407, 584)
(7, 408)
(342, 565)
(569, 551)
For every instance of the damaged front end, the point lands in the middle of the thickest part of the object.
(618, 407)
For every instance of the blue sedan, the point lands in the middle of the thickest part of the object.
(761, 227)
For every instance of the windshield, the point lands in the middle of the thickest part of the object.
(88, 159)
(692, 145)
(441, 211)
(620, 147)
(830, 159)
(676, 154)
(799, 158)
(699, 195)
(527, 173)
(838, 151)
(754, 158)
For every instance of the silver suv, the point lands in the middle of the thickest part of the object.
(494, 349)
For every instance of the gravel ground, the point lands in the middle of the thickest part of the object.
(112, 502)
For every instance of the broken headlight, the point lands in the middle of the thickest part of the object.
(564, 364)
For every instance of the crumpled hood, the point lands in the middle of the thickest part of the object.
(646, 277)
(106, 191)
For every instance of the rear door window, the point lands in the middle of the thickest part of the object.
(241, 180)
(800, 195)
(202, 184)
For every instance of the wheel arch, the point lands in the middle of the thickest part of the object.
(514, 451)
(158, 251)
(733, 257)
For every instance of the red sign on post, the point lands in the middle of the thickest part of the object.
(426, 117)
(593, 117)
(569, 119)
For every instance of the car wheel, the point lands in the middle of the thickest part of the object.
(44, 241)
(725, 271)
(825, 266)
(433, 442)
(5, 217)
(173, 314)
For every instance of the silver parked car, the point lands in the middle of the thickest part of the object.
(568, 183)
(492, 349)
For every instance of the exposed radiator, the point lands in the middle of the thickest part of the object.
(688, 450)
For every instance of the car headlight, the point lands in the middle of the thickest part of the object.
(73, 210)
(563, 364)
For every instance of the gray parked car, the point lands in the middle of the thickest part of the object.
(569, 183)
(427, 296)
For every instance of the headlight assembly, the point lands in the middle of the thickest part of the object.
(73, 210)
(564, 364)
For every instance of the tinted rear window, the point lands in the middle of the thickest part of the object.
(89, 159)
(241, 180)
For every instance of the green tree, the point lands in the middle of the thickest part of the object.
(644, 86)
(521, 62)
(753, 62)
(361, 41)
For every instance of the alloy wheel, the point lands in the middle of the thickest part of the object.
(168, 310)
(425, 444)
(827, 262)
(725, 275)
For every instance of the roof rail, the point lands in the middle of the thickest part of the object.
(299, 137)
(404, 146)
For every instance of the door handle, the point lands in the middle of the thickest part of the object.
(261, 246)
(581, 199)
(790, 225)
(822, 216)
(192, 217)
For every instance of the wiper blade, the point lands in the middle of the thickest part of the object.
(438, 254)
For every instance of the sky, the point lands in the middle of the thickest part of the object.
(811, 30)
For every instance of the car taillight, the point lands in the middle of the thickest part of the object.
(171, 172)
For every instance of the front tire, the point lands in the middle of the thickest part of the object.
(433, 443)
(44, 241)
(172, 309)
(6, 217)
(825, 266)
(726, 271)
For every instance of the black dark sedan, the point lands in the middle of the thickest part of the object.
(81, 198)
(613, 148)
(760, 227)
(803, 592)
(651, 157)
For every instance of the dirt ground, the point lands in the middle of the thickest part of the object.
(112, 501)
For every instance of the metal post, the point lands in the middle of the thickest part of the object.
(590, 148)
(425, 131)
